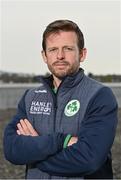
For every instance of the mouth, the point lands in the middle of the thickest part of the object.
(61, 64)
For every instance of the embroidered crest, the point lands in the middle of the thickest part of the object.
(72, 107)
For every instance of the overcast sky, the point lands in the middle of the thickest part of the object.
(23, 22)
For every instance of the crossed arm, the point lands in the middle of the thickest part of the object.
(84, 157)
(25, 128)
(23, 145)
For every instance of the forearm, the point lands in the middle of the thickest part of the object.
(82, 158)
(20, 149)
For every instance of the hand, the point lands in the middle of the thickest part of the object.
(25, 128)
(72, 141)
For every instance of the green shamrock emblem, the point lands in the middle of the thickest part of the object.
(72, 108)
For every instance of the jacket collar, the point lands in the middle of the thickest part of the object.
(68, 81)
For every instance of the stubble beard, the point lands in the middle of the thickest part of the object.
(60, 73)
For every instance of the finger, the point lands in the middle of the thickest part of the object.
(72, 141)
(30, 127)
(24, 127)
(20, 129)
(18, 132)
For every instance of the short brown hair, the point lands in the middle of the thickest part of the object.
(63, 25)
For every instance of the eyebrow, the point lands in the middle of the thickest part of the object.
(51, 48)
(62, 47)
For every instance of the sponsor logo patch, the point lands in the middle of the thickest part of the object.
(38, 107)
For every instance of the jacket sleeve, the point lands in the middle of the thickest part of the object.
(95, 139)
(20, 149)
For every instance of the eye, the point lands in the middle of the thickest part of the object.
(52, 49)
(67, 48)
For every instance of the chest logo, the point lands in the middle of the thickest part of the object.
(38, 107)
(72, 107)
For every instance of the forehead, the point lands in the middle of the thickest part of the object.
(62, 37)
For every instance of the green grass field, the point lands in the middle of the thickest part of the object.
(9, 171)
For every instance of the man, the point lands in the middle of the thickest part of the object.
(66, 127)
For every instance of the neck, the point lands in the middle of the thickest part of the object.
(56, 82)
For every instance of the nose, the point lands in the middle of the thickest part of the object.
(60, 54)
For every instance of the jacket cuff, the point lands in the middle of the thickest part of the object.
(67, 139)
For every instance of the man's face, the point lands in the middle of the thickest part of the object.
(62, 54)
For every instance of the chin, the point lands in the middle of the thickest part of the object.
(60, 76)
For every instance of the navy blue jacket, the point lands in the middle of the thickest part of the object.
(82, 107)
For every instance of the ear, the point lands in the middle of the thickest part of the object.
(44, 56)
(83, 54)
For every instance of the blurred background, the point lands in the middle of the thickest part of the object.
(22, 25)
